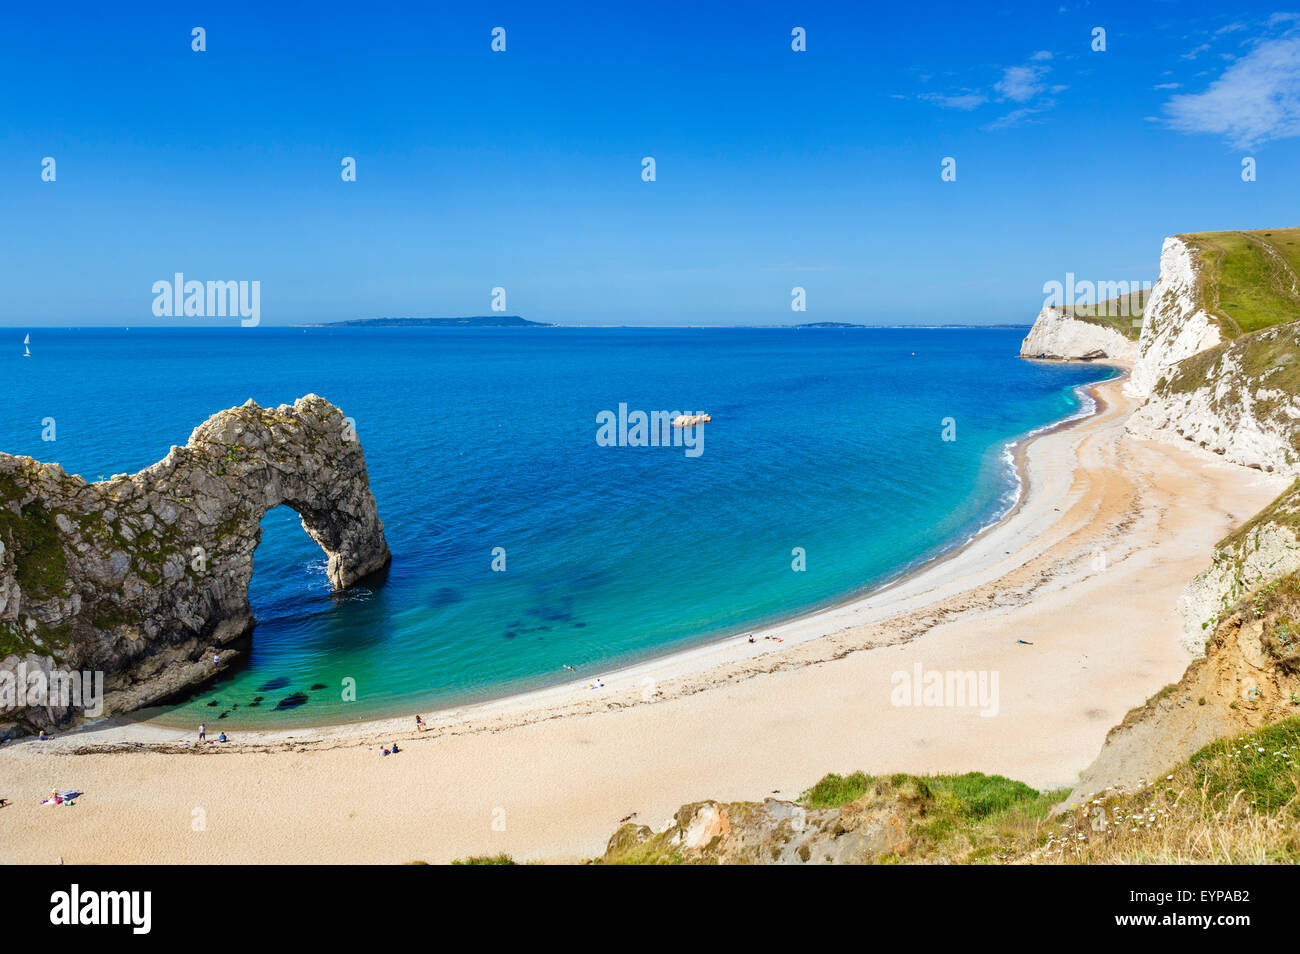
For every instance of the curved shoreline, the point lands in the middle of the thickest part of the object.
(1076, 644)
(694, 659)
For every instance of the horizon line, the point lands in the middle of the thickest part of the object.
(536, 327)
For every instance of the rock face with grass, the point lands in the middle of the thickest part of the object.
(1175, 323)
(1060, 335)
(1248, 678)
(145, 576)
(1238, 399)
(1265, 549)
(1219, 355)
(858, 819)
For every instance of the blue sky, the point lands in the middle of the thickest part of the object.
(522, 169)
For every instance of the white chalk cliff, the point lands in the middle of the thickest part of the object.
(1205, 384)
(1174, 325)
(1223, 403)
(1058, 335)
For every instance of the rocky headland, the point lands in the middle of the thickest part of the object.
(145, 576)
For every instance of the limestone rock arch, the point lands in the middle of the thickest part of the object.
(144, 576)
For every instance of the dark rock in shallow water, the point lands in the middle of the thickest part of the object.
(224, 714)
(446, 596)
(214, 702)
(292, 702)
(279, 682)
(316, 686)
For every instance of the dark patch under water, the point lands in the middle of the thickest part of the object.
(446, 596)
(317, 686)
(292, 702)
(279, 682)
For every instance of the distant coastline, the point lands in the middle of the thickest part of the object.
(512, 321)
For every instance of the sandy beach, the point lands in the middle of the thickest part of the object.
(1070, 601)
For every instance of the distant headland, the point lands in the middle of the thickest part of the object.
(472, 321)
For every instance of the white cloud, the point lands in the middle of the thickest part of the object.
(1014, 118)
(1167, 86)
(1023, 84)
(1020, 84)
(963, 101)
(1255, 100)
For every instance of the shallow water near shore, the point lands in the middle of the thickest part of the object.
(825, 441)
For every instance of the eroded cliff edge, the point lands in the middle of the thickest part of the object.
(1062, 335)
(144, 575)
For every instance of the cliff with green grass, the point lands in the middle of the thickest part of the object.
(1208, 769)
(1219, 351)
(1230, 801)
(1096, 333)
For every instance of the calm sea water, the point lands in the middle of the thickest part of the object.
(827, 440)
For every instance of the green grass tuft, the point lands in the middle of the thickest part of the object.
(486, 860)
(834, 791)
(1261, 768)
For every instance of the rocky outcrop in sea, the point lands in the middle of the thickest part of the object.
(144, 577)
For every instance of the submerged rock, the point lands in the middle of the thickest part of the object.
(145, 576)
(292, 702)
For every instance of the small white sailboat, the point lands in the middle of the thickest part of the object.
(27, 351)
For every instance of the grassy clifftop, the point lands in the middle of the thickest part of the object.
(1233, 802)
(1249, 279)
(1123, 314)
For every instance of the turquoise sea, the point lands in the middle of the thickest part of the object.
(826, 440)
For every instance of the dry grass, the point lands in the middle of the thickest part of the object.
(1236, 801)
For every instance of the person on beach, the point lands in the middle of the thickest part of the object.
(419, 724)
(221, 737)
(43, 737)
(395, 748)
(203, 732)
